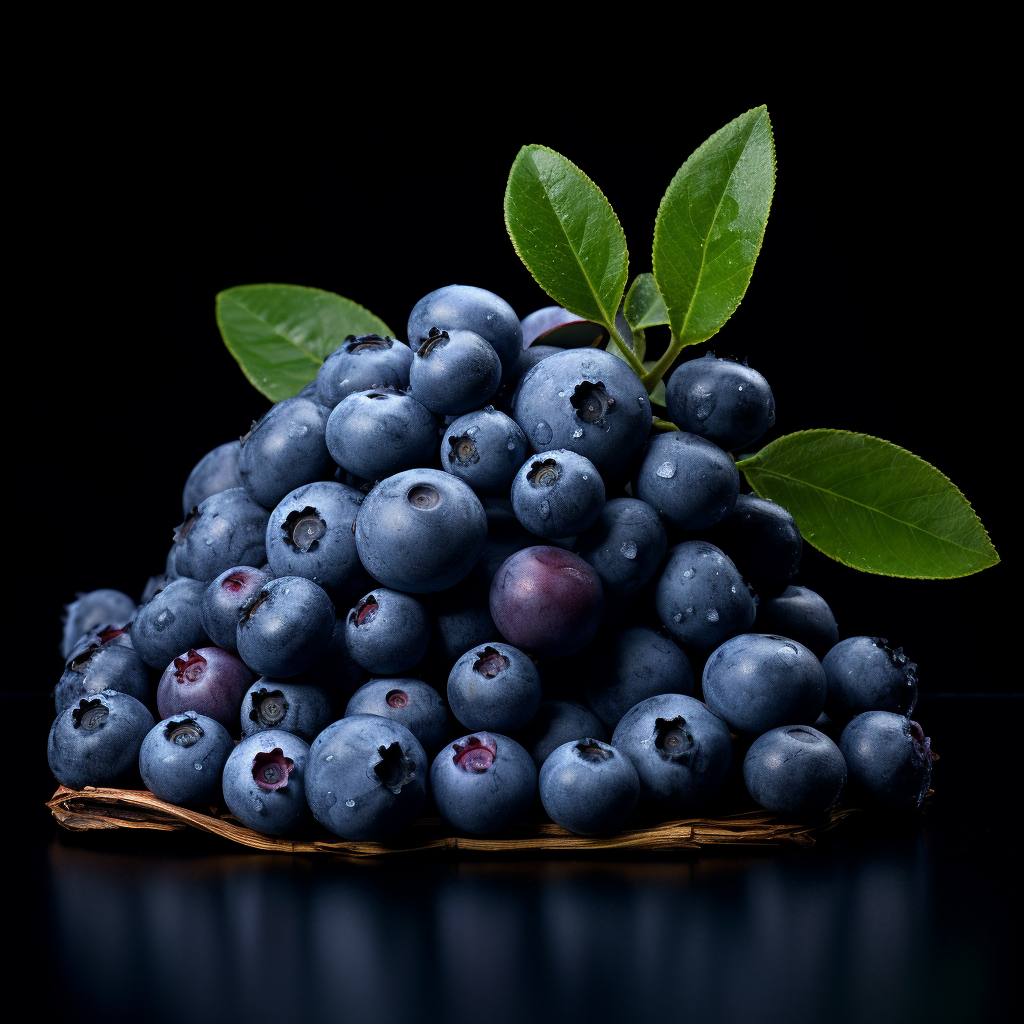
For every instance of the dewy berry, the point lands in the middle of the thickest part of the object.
(557, 494)
(485, 450)
(223, 600)
(264, 782)
(182, 759)
(865, 673)
(209, 681)
(228, 529)
(361, 363)
(287, 706)
(453, 372)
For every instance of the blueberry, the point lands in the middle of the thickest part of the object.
(94, 609)
(209, 681)
(264, 782)
(375, 434)
(494, 687)
(557, 494)
(625, 545)
(410, 702)
(485, 450)
(387, 632)
(588, 401)
(757, 682)
(96, 741)
(629, 666)
(285, 449)
(546, 601)
(865, 674)
(588, 787)
(102, 666)
(361, 363)
(454, 371)
(461, 619)
(763, 540)
(462, 307)
(796, 770)
(802, 615)
(420, 531)
(106, 634)
(287, 706)
(889, 759)
(285, 626)
(311, 533)
(554, 325)
(691, 482)
(182, 759)
(720, 399)
(216, 471)
(680, 750)
(226, 530)
(367, 777)
(701, 597)
(505, 536)
(223, 600)
(531, 356)
(171, 623)
(558, 722)
(483, 783)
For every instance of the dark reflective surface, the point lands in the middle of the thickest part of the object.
(879, 921)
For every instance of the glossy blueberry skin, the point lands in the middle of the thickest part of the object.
(889, 761)
(98, 667)
(484, 449)
(387, 631)
(794, 770)
(361, 363)
(375, 434)
(278, 811)
(227, 529)
(367, 777)
(216, 471)
(629, 666)
(208, 680)
(865, 674)
(93, 609)
(285, 627)
(285, 449)
(546, 601)
(223, 600)
(763, 540)
(609, 434)
(96, 741)
(724, 401)
(625, 545)
(701, 596)
(557, 494)
(758, 682)
(688, 480)
(588, 787)
(494, 686)
(171, 623)
(420, 531)
(287, 706)
(558, 722)
(182, 759)
(310, 534)
(453, 372)
(410, 702)
(680, 750)
(461, 307)
(489, 798)
(802, 615)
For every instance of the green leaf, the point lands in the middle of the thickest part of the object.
(644, 306)
(281, 333)
(658, 394)
(872, 505)
(566, 233)
(711, 223)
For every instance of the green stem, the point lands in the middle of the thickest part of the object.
(660, 368)
(748, 463)
(660, 424)
(627, 352)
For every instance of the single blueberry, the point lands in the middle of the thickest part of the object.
(182, 759)
(625, 545)
(172, 622)
(720, 399)
(227, 529)
(410, 702)
(387, 632)
(361, 363)
(367, 777)
(494, 686)
(454, 371)
(485, 450)
(102, 666)
(588, 787)
(865, 674)
(558, 722)
(208, 680)
(557, 494)
(223, 600)
(483, 783)
(758, 682)
(287, 706)
(96, 741)
(94, 609)
(264, 782)
(216, 471)
(796, 770)
(802, 615)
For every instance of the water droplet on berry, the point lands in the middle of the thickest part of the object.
(542, 433)
(350, 803)
(628, 548)
(198, 765)
(577, 433)
(257, 805)
(688, 574)
(678, 616)
(712, 615)
(545, 510)
(666, 470)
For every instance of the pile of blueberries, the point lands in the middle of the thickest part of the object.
(465, 571)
